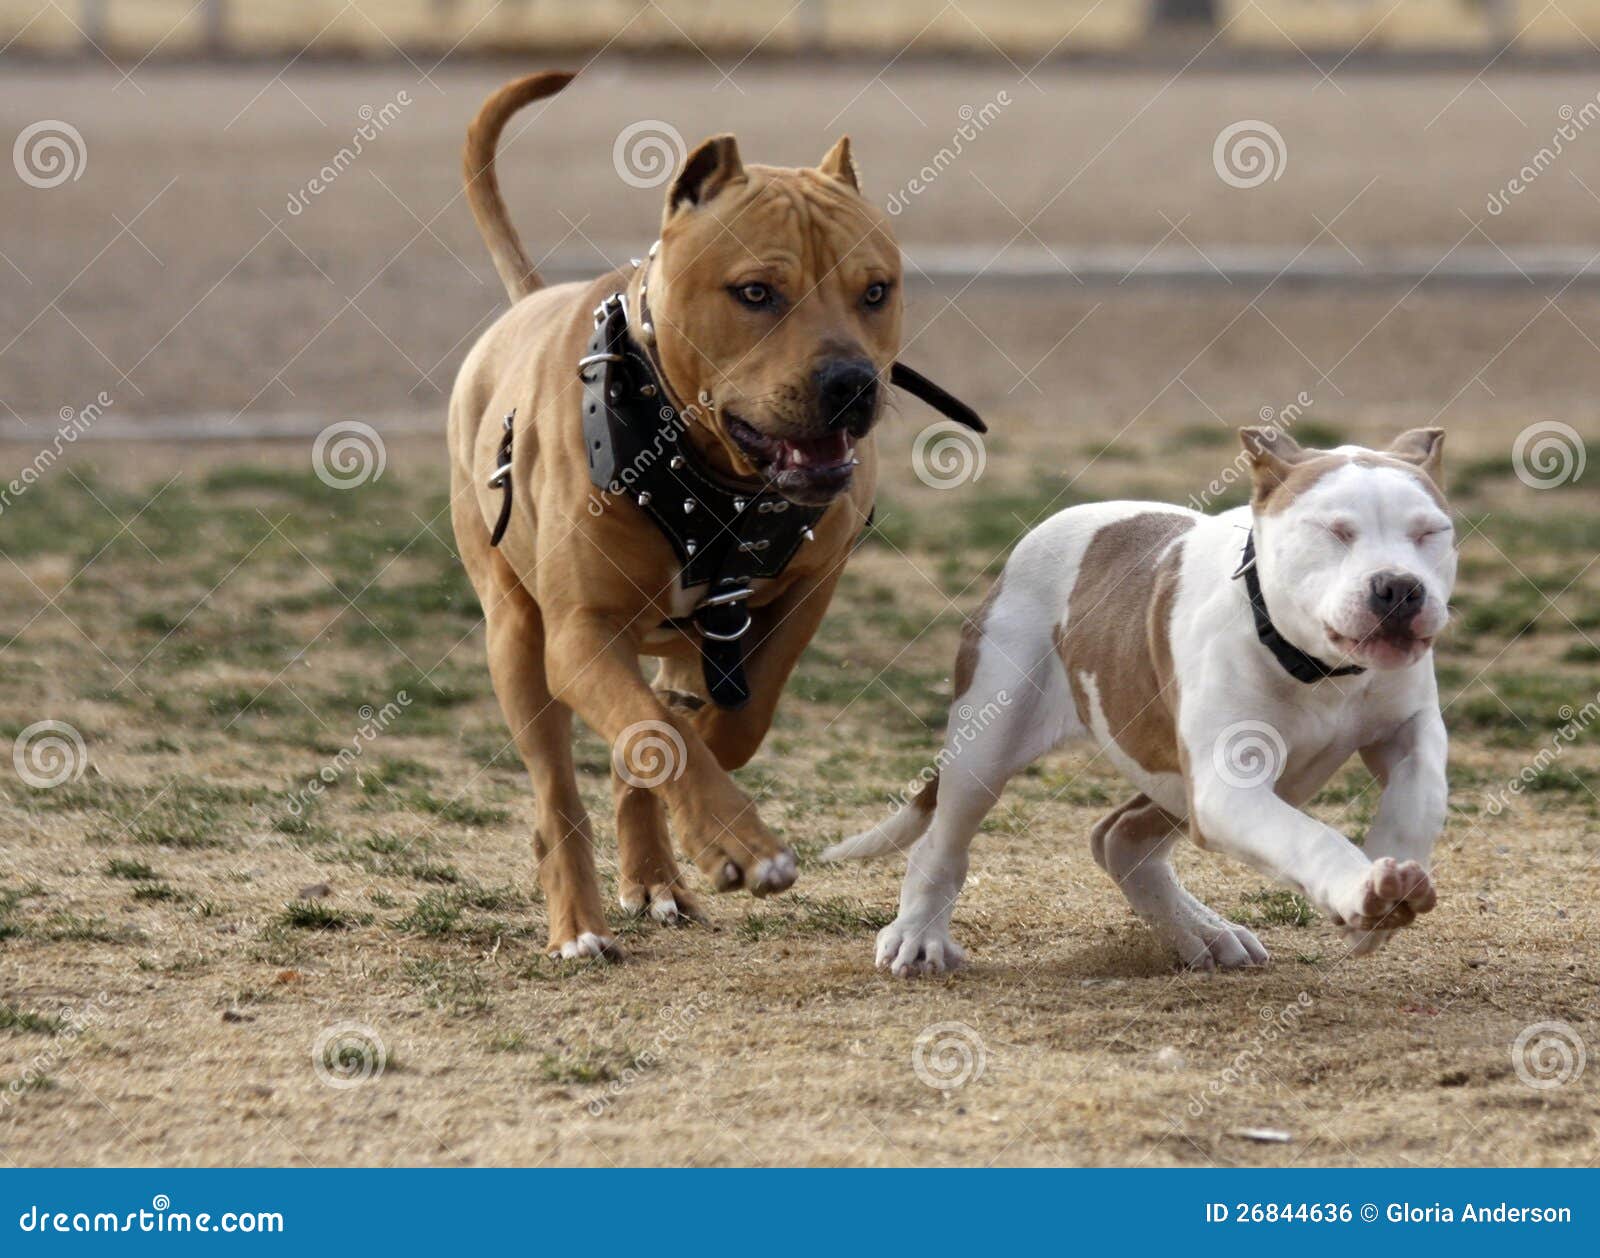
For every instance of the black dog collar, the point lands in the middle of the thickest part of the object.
(724, 533)
(1298, 664)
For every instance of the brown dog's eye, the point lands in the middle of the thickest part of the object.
(756, 296)
(876, 294)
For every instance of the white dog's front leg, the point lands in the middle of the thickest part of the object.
(1253, 824)
(1410, 764)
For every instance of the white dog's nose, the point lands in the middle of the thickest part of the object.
(1395, 597)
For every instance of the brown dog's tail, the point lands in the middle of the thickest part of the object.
(483, 188)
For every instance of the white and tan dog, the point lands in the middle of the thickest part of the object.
(1226, 696)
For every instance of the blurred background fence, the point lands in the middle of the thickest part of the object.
(1030, 28)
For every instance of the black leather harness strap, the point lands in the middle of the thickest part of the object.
(725, 534)
(1297, 663)
(500, 478)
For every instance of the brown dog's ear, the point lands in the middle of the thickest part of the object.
(1273, 454)
(706, 172)
(1425, 448)
(840, 164)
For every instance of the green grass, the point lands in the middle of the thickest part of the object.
(800, 914)
(317, 915)
(133, 871)
(1274, 908)
(13, 1019)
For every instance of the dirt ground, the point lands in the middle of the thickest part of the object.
(199, 966)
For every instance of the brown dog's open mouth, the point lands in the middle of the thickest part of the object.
(808, 470)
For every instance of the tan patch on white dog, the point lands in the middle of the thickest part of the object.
(1120, 609)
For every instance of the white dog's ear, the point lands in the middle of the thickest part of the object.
(706, 172)
(1273, 454)
(840, 164)
(1425, 448)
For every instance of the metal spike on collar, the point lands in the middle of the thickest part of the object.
(688, 506)
(644, 498)
(738, 504)
(676, 462)
(808, 533)
(690, 546)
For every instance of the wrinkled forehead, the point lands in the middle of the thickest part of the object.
(790, 218)
(1360, 485)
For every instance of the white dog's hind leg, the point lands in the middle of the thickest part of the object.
(1015, 707)
(1134, 845)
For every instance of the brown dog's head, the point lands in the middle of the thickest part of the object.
(775, 294)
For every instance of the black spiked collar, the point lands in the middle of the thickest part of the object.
(1297, 663)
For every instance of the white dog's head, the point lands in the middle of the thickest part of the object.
(1355, 548)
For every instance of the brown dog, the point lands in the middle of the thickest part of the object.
(770, 310)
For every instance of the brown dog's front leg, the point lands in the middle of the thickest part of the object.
(593, 669)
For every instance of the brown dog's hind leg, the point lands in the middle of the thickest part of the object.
(648, 878)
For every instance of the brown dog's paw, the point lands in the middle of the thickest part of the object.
(762, 875)
(667, 902)
(584, 946)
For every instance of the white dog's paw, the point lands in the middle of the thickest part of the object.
(909, 949)
(1389, 894)
(1214, 943)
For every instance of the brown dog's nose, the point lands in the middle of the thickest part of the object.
(1395, 597)
(847, 394)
